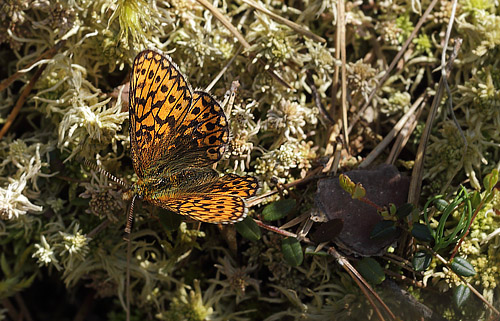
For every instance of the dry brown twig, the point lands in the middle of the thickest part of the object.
(346, 265)
(392, 65)
(26, 90)
(418, 168)
(343, 53)
(217, 14)
(46, 55)
(419, 103)
(280, 19)
(21, 100)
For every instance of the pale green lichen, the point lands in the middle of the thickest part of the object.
(45, 254)
(361, 79)
(14, 202)
(288, 120)
(479, 99)
(237, 278)
(273, 42)
(25, 164)
(244, 139)
(187, 306)
(86, 121)
(281, 162)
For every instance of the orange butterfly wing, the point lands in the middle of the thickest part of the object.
(212, 200)
(175, 135)
(210, 208)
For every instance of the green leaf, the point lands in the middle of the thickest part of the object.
(359, 191)
(421, 232)
(26, 282)
(421, 260)
(5, 267)
(383, 229)
(248, 229)
(404, 210)
(462, 267)
(460, 295)
(393, 209)
(491, 180)
(278, 209)
(346, 184)
(311, 250)
(371, 270)
(440, 204)
(292, 251)
(475, 199)
(21, 259)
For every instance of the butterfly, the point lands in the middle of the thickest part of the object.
(176, 135)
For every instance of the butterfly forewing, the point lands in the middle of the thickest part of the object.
(207, 124)
(159, 97)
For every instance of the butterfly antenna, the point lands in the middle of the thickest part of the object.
(107, 174)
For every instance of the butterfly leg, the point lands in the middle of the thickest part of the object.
(228, 102)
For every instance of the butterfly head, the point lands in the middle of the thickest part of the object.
(139, 188)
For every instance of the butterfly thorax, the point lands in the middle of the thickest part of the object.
(151, 188)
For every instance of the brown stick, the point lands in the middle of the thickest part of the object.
(240, 37)
(418, 168)
(393, 64)
(47, 54)
(346, 265)
(20, 102)
(343, 80)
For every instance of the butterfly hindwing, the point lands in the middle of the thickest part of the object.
(206, 197)
(210, 208)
